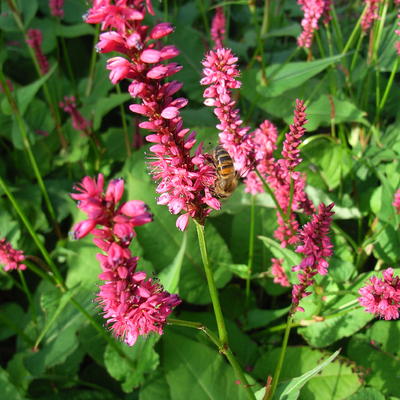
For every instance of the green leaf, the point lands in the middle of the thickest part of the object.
(288, 255)
(282, 77)
(59, 328)
(381, 366)
(106, 104)
(335, 381)
(334, 160)
(25, 94)
(367, 393)
(386, 335)
(192, 367)
(13, 320)
(155, 388)
(240, 270)
(261, 318)
(339, 321)
(7, 389)
(142, 359)
(326, 107)
(169, 276)
(83, 267)
(72, 31)
(292, 389)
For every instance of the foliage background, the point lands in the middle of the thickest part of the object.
(351, 157)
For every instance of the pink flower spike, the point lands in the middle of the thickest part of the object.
(56, 8)
(78, 121)
(278, 272)
(316, 247)
(10, 257)
(218, 28)
(371, 14)
(382, 297)
(396, 201)
(313, 10)
(34, 40)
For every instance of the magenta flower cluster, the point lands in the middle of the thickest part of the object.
(313, 11)
(10, 257)
(370, 14)
(288, 184)
(396, 201)
(34, 41)
(185, 180)
(382, 297)
(317, 247)
(279, 273)
(56, 8)
(218, 26)
(132, 304)
(220, 74)
(78, 121)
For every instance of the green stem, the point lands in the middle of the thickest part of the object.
(124, 124)
(223, 348)
(389, 84)
(28, 149)
(223, 335)
(251, 248)
(50, 101)
(265, 21)
(357, 52)
(32, 232)
(204, 17)
(28, 294)
(69, 66)
(92, 68)
(354, 32)
(275, 379)
(379, 30)
(271, 193)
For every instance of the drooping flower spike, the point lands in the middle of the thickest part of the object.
(185, 180)
(78, 121)
(132, 304)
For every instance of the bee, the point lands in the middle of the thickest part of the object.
(227, 178)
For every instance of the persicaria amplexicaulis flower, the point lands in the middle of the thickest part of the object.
(220, 74)
(218, 28)
(132, 304)
(10, 257)
(396, 201)
(56, 8)
(78, 121)
(316, 246)
(278, 272)
(288, 185)
(382, 297)
(313, 11)
(370, 14)
(34, 40)
(185, 180)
